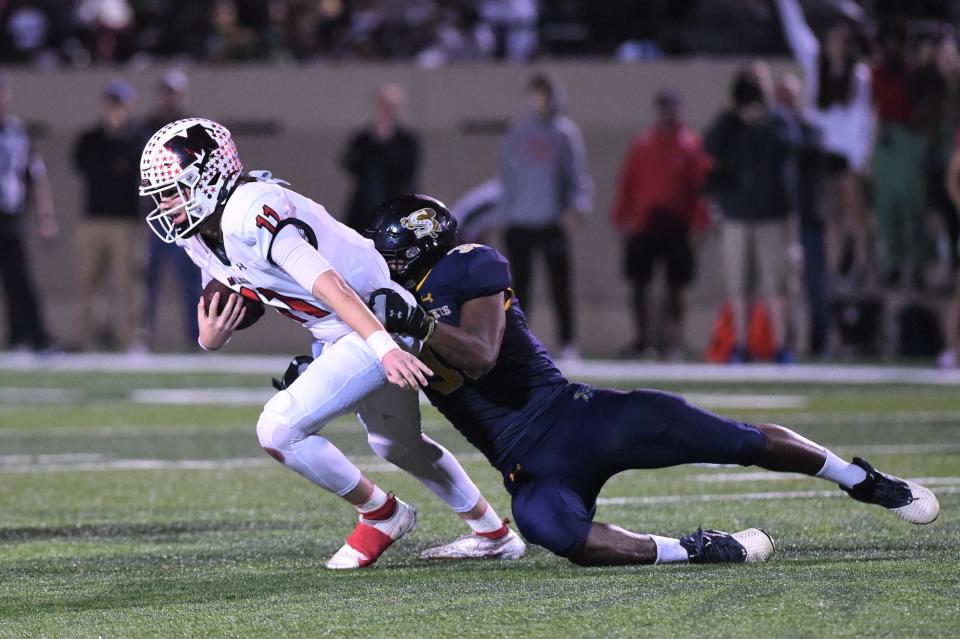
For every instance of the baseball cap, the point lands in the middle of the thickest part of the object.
(174, 80)
(120, 91)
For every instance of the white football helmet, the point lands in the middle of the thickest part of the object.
(194, 159)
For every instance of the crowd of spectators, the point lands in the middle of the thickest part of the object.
(431, 32)
(84, 32)
(832, 179)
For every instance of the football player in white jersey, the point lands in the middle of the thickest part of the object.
(271, 244)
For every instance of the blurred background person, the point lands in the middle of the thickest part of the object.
(383, 158)
(107, 28)
(546, 187)
(951, 329)
(752, 183)
(23, 186)
(657, 208)
(514, 26)
(169, 105)
(899, 160)
(110, 241)
(233, 38)
(939, 74)
(810, 173)
(837, 100)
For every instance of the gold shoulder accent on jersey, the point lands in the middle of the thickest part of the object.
(420, 283)
(464, 248)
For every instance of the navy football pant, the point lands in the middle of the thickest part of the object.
(594, 434)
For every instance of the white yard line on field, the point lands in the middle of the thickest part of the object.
(138, 464)
(599, 370)
(96, 462)
(894, 449)
(235, 396)
(242, 396)
(243, 428)
(794, 494)
(83, 462)
(749, 477)
(869, 417)
(22, 464)
(197, 396)
(753, 401)
(12, 394)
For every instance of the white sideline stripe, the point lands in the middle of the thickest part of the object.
(935, 481)
(772, 476)
(745, 477)
(865, 417)
(11, 460)
(145, 363)
(679, 499)
(600, 370)
(247, 428)
(40, 395)
(893, 449)
(194, 396)
(83, 462)
(746, 401)
(242, 396)
(138, 464)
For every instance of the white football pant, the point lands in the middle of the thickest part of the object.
(347, 376)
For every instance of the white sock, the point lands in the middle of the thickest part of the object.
(376, 500)
(840, 471)
(488, 522)
(669, 550)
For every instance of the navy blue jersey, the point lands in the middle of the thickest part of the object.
(498, 410)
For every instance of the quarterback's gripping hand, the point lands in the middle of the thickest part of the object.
(398, 316)
(405, 370)
(216, 329)
(294, 369)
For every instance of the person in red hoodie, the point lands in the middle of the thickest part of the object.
(657, 208)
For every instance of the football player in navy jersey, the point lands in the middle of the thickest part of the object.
(555, 442)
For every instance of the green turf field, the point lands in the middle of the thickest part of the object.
(122, 519)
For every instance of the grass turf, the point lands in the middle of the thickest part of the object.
(237, 549)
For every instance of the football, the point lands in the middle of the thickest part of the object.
(255, 308)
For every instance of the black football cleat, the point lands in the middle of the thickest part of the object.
(715, 547)
(909, 500)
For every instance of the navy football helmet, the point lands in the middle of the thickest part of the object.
(412, 233)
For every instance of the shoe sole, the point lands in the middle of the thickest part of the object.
(758, 543)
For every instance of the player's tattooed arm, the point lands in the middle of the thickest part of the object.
(401, 368)
(474, 345)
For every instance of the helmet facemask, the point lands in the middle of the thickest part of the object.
(161, 219)
(403, 265)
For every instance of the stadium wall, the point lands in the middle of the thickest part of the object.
(295, 120)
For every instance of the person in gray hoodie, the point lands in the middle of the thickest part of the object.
(546, 187)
